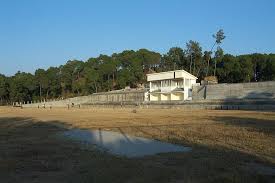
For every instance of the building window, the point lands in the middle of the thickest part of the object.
(166, 83)
(155, 85)
(180, 84)
(173, 83)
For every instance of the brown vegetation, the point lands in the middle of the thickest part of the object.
(228, 146)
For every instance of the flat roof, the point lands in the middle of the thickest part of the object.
(183, 71)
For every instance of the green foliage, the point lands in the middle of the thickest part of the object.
(4, 89)
(196, 63)
(269, 70)
(229, 70)
(219, 36)
(149, 59)
(91, 79)
(22, 87)
(174, 59)
(70, 72)
(247, 72)
(129, 68)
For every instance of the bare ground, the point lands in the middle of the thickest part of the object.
(228, 146)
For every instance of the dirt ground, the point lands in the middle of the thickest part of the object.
(227, 146)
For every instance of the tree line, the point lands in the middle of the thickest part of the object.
(129, 68)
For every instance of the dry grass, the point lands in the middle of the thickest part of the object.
(225, 145)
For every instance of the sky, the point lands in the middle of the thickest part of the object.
(42, 33)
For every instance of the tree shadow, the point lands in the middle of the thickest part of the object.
(256, 101)
(260, 125)
(214, 160)
(260, 95)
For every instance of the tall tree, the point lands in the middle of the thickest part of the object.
(149, 59)
(174, 59)
(4, 89)
(194, 50)
(91, 79)
(69, 73)
(53, 76)
(42, 81)
(22, 87)
(219, 37)
(129, 68)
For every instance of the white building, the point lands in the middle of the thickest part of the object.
(171, 85)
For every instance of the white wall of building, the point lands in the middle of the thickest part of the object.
(164, 85)
(155, 97)
(177, 96)
(165, 96)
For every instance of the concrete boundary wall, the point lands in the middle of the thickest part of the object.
(199, 104)
(202, 104)
(241, 96)
(120, 96)
(256, 90)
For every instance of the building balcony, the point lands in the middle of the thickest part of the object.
(167, 89)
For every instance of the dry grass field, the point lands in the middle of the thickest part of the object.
(227, 146)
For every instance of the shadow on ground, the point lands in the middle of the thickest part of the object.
(261, 125)
(30, 152)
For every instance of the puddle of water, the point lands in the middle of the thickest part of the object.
(122, 144)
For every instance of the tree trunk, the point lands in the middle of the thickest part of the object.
(113, 80)
(47, 94)
(198, 72)
(207, 70)
(194, 68)
(78, 92)
(40, 92)
(215, 67)
(95, 88)
(109, 82)
(209, 58)
(190, 63)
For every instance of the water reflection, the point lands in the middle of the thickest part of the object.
(123, 144)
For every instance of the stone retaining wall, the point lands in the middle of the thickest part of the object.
(136, 96)
(244, 104)
(241, 96)
(256, 90)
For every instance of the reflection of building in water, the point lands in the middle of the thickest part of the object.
(171, 85)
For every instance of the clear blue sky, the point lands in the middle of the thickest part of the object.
(42, 33)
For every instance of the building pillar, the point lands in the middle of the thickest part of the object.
(183, 82)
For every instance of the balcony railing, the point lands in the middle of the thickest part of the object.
(166, 89)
